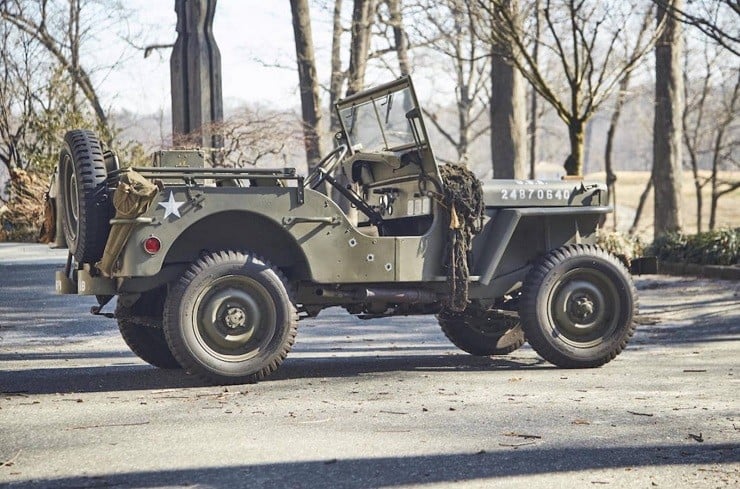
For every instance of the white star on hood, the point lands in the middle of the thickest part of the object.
(171, 206)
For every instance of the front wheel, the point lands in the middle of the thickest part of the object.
(229, 319)
(578, 306)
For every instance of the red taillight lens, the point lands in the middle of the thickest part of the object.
(152, 245)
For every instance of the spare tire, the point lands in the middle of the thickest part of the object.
(84, 204)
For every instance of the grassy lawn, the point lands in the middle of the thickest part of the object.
(630, 185)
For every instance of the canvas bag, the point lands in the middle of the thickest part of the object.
(131, 199)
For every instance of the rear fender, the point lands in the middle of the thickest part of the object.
(309, 239)
(230, 229)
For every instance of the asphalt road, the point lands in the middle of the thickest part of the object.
(380, 403)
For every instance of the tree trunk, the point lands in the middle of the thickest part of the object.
(308, 80)
(574, 162)
(337, 75)
(508, 131)
(667, 127)
(697, 186)
(641, 205)
(360, 44)
(718, 143)
(399, 36)
(533, 106)
(611, 176)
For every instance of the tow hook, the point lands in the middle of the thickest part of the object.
(102, 301)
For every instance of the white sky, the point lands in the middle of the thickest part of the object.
(245, 31)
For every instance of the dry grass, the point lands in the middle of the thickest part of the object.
(630, 185)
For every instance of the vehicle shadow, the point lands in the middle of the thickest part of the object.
(114, 378)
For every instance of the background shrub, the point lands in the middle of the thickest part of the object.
(718, 247)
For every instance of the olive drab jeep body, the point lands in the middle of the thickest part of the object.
(213, 267)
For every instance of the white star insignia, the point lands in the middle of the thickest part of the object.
(171, 206)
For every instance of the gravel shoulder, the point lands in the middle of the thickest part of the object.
(379, 403)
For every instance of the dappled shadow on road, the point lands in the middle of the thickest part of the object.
(114, 378)
(402, 471)
(694, 333)
(687, 310)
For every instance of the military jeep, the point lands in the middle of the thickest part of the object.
(213, 267)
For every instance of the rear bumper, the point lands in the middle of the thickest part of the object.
(83, 283)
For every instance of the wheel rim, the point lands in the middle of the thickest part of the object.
(72, 203)
(584, 307)
(234, 318)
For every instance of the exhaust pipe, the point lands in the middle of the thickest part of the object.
(396, 296)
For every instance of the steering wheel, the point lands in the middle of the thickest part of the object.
(325, 167)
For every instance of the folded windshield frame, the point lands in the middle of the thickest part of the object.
(384, 118)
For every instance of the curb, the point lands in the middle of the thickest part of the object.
(708, 271)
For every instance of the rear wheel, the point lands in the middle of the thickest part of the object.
(578, 306)
(141, 328)
(229, 319)
(82, 202)
(483, 334)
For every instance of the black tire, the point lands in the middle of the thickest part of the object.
(482, 336)
(85, 210)
(141, 329)
(578, 306)
(230, 318)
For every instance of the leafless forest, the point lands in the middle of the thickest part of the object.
(511, 88)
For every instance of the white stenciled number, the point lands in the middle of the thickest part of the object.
(504, 195)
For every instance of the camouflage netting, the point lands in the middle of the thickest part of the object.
(22, 218)
(463, 197)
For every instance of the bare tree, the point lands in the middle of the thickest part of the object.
(725, 150)
(16, 97)
(716, 19)
(449, 28)
(584, 37)
(667, 138)
(254, 136)
(57, 27)
(692, 122)
(611, 176)
(709, 115)
(37, 103)
(308, 80)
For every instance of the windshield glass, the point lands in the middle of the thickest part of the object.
(380, 124)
